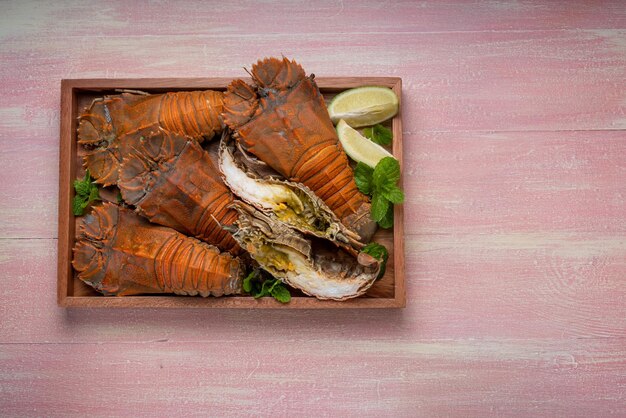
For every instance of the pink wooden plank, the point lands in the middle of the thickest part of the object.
(516, 252)
(515, 181)
(365, 377)
(493, 89)
(452, 81)
(455, 182)
(121, 18)
(530, 285)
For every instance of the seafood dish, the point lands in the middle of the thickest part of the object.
(121, 253)
(215, 189)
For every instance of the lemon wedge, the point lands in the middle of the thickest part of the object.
(358, 147)
(364, 106)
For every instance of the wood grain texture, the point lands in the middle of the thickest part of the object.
(387, 292)
(514, 147)
(485, 81)
(428, 378)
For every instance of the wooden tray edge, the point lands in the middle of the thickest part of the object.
(66, 228)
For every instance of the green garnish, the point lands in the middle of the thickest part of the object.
(380, 253)
(378, 134)
(257, 287)
(381, 184)
(86, 192)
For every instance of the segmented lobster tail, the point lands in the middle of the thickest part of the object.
(173, 182)
(193, 113)
(119, 253)
(291, 131)
(108, 122)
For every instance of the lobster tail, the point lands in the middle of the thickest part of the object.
(95, 125)
(119, 253)
(192, 113)
(173, 182)
(109, 122)
(292, 132)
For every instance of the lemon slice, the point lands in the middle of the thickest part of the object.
(358, 147)
(363, 106)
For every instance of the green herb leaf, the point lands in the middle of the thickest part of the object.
(86, 192)
(247, 282)
(281, 293)
(378, 134)
(393, 194)
(387, 172)
(77, 205)
(82, 187)
(363, 178)
(94, 194)
(380, 253)
(265, 289)
(380, 206)
(255, 284)
(387, 220)
(381, 184)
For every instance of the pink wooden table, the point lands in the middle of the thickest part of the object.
(515, 167)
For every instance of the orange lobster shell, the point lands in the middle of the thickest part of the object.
(195, 114)
(120, 253)
(283, 121)
(173, 182)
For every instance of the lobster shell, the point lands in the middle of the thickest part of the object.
(173, 182)
(195, 114)
(120, 253)
(283, 121)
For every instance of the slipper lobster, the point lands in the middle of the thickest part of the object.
(173, 182)
(291, 203)
(305, 263)
(120, 253)
(283, 121)
(192, 113)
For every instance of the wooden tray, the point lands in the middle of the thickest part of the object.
(388, 292)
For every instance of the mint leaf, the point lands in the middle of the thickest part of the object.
(380, 253)
(387, 172)
(393, 194)
(387, 220)
(247, 282)
(94, 194)
(78, 204)
(86, 192)
(380, 206)
(265, 289)
(281, 293)
(376, 250)
(363, 178)
(378, 134)
(82, 187)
